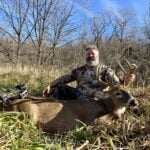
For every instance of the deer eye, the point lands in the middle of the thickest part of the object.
(118, 94)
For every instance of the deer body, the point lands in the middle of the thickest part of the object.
(60, 116)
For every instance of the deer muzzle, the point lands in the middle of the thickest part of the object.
(133, 102)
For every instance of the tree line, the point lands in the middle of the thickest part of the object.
(50, 32)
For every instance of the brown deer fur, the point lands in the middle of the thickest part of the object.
(60, 116)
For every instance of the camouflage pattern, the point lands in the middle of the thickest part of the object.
(88, 78)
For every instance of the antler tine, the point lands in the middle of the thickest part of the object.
(122, 68)
(103, 83)
(132, 67)
(107, 84)
(128, 63)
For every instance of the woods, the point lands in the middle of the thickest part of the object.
(53, 32)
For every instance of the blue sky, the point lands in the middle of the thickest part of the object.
(92, 8)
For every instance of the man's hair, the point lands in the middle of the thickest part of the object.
(90, 47)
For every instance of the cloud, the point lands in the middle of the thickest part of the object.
(84, 10)
(111, 6)
(114, 6)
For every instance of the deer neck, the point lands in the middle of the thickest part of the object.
(107, 105)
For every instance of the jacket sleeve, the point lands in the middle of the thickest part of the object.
(72, 76)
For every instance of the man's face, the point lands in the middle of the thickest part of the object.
(92, 57)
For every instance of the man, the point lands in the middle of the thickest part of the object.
(88, 77)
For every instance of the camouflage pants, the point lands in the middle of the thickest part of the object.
(65, 92)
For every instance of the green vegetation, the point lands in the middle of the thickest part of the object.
(18, 132)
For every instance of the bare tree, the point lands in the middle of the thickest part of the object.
(62, 27)
(147, 29)
(52, 26)
(100, 25)
(120, 25)
(14, 14)
(40, 12)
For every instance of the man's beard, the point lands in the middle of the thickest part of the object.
(92, 62)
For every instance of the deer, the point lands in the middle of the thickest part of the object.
(60, 116)
(52, 115)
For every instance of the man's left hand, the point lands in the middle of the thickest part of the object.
(129, 77)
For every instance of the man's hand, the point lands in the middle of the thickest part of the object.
(46, 91)
(129, 77)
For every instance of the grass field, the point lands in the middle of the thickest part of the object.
(18, 132)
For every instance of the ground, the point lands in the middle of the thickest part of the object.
(17, 131)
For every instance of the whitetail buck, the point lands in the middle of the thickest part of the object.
(60, 116)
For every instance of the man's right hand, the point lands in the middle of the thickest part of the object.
(46, 91)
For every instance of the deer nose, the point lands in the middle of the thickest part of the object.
(134, 102)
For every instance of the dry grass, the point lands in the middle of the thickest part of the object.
(17, 131)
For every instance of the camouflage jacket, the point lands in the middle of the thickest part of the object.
(88, 78)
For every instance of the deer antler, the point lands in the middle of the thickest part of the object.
(132, 68)
(122, 68)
